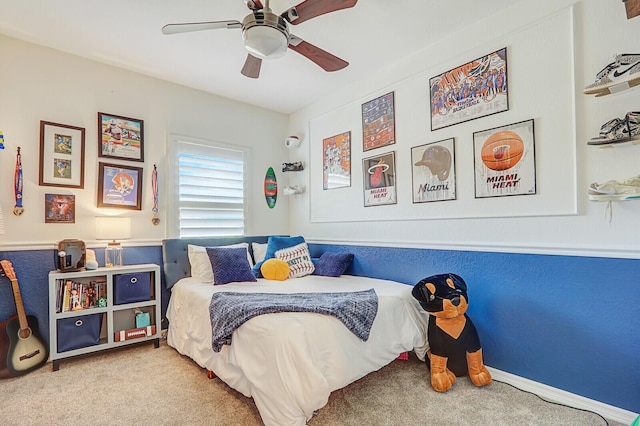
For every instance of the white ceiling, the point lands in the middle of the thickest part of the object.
(127, 34)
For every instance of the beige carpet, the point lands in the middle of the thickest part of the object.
(141, 385)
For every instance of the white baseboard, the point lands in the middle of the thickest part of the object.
(572, 400)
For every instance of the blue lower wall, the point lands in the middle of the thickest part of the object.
(569, 322)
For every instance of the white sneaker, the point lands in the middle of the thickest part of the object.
(625, 69)
(615, 191)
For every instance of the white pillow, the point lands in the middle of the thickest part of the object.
(298, 258)
(259, 251)
(201, 265)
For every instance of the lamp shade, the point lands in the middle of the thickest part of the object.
(113, 228)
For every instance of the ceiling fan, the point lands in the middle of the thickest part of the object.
(266, 35)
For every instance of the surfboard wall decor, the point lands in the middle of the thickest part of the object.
(270, 188)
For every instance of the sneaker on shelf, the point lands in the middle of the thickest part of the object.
(625, 69)
(619, 131)
(615, 191)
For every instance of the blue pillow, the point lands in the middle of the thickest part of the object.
(333, 264)
(229, 265)
(275, 243)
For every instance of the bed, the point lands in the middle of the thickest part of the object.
(288, 362)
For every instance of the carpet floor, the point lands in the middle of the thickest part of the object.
(146, 386)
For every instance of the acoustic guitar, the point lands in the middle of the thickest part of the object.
(21, 347)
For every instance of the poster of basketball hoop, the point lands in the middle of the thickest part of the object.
(336, 163)
(379, 179)
(472, 90)
(505, 162)
(378, 122)
(433, 171)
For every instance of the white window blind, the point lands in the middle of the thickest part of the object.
(210, 189)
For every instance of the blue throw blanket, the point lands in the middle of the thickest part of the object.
(229, 310)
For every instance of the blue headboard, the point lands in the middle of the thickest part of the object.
(176, 259)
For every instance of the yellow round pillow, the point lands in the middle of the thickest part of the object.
(275, 269)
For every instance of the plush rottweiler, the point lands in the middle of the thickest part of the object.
(454, 344)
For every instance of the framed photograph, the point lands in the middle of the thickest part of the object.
(120, 137)
(119, 186)
(434, 171)
(505, 161)
(61, 155)
(59, 208)
(379, 175)
(336, 163)
(378, 122)
(472, 90)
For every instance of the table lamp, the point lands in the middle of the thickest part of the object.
(113, 228)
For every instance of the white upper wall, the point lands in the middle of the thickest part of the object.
(39, 83)
(596, 30)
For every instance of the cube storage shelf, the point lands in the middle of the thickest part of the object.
(91, 311)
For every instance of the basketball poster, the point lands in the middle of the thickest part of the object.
(505, 160)
(336, 163)
(472, 90)
(378, 122)
(434, 175)
(379, 179)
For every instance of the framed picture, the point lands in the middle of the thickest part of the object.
(379, 175)
(61, 155)
(120, 137)
(434, 171)
(505, 162)
(59, 208)
(336, 163)
(119, 186)
(472, 90)
(378, 122)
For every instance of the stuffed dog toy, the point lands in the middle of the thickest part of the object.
(454, 344)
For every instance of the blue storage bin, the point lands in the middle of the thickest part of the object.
(79, 332)
(130, 288)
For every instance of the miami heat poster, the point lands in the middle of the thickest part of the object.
(336, 163)
(505, 160)
(380, 179)
(472, 90)
(378, 122)
(434, 174)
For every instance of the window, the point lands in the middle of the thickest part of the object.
(208, 188)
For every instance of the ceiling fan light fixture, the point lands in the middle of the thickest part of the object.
(265, 42)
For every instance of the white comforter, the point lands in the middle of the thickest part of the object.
(290, 362)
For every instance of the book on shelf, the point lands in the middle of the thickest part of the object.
(134, 333)
(77, 295)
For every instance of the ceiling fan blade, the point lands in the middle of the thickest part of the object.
(322, 58)
(199, 26)
(251, 67)
(254, 4)
(311, 8)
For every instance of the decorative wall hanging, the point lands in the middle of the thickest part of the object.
(472, 90)
(433, 171)
(154, 186)
(1, 140)
(270, 188)
(61, 155)
(120, 137)
(336, 162)
(505, 160)
(17, 185)
(119, 186)
(59, 208)
(378, 122)
(380, 179)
